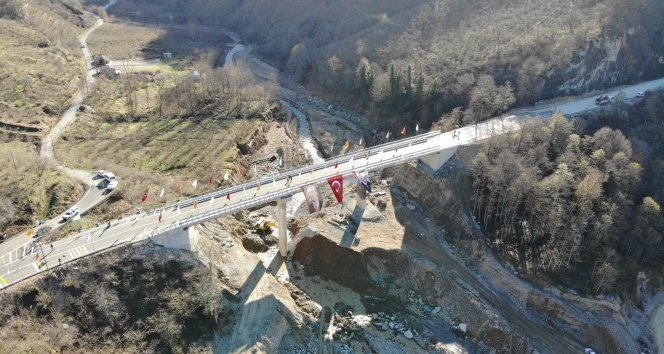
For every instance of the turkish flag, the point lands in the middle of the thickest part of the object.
(337, 185)
(145, 196)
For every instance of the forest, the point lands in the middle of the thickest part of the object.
(437, 51)
(578, 197)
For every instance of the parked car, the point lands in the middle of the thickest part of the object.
(112, 184)
(602, 100)
(73, 211)
(101, 173)
(640, 94)
(109, 176)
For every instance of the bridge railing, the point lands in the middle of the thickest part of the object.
(265, 199)
(253, 183)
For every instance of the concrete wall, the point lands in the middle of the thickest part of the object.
(178, 239)
(437, 160)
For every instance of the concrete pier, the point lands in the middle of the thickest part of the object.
(282, 224)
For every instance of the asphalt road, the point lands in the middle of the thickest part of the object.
(29, 259)
(18, 256)
(585, 103)
(20, 245)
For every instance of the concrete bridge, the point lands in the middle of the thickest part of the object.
(173, 228)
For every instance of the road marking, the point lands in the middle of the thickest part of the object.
(3, 281)
(35, 265)
(78, 252)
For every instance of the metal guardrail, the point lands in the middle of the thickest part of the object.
(223, 192)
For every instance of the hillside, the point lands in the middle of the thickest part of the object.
(359, 53)
(41, 68)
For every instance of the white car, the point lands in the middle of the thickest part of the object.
(112, 184)
(73, 211)
(640, 94)
(101, 173)
(109, 176)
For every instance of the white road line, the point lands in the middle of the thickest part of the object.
(36, 268)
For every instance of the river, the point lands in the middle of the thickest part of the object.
(304, 135)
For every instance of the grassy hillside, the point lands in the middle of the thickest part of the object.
(41, 64)
(41, 67)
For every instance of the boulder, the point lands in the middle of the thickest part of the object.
(408, 334)
(271, 239)
(254, 243)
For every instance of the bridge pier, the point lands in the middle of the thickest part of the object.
(438, 159)
(282, 224)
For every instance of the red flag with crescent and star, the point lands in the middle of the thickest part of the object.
(337, 185)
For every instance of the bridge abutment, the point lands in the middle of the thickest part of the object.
(178, 239)
(282, 225)
(438, 159)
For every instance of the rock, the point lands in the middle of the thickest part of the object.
(410, 206)
(253, 243)
(85, 108)
(436, 310)
(391, 324)
(463, 327)
(271, 239)
(408, 334)
(374, 316)
(385, 326)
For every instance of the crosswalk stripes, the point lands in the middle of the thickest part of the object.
(78, 252)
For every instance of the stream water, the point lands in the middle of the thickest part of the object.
(304, 136)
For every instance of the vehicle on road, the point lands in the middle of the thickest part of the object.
(640, 94)
(109, 176)
(82, 45)
(101, 173)
(73, 211)
(112, 184)
(602, 100)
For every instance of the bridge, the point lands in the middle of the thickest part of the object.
(174, 221)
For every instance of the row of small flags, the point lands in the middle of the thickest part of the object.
(346, 146)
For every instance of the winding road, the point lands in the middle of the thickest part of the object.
(20, 259)
(21, 246)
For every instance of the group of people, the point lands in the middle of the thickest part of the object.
(455, 134)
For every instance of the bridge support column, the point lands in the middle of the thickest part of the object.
(281, 221)
(360, 195)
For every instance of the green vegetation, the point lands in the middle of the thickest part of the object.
(578, 199)
(30, 191)
(127, 301)
(353, 51)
